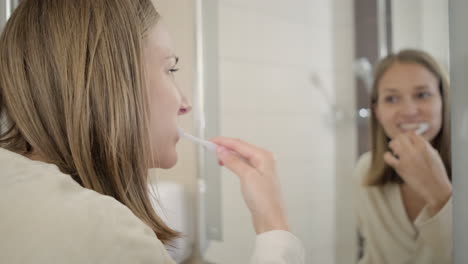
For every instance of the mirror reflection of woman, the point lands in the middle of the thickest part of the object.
(403, 191)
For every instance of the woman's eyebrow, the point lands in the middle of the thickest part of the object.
(421, 87)
(390, 90)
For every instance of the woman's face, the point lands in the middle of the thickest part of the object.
(408, 95)
(166, 100)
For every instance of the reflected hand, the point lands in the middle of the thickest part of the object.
(256, 170)
(421, 167)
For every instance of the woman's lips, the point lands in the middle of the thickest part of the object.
(419, 127)
(409, 126)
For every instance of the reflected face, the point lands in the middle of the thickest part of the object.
(166, 100)
(408, 95)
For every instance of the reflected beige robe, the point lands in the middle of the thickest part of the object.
(389, 236)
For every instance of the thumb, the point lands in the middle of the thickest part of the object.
(233, 162)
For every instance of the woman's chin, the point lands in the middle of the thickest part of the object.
(166, 163)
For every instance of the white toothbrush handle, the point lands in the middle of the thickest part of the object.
(207, 144)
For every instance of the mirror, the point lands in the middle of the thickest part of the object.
(294, 78)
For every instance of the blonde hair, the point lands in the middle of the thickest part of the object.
(72, 91)
(380, 173)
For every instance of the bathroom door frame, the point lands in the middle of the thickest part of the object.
(459, 110)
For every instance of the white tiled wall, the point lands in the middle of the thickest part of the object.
(346, 133)
(422, 24)
(268, 51)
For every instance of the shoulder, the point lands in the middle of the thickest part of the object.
(55, 219)
(112, 232)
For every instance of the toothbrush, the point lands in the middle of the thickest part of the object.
(206, 144)
(423, 127)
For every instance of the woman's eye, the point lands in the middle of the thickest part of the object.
(173, 70)
(390, 99)
(423, 95)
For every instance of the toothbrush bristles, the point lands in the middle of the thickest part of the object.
(422, 128)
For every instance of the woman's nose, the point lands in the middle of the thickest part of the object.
(185, 106)
(409, 108)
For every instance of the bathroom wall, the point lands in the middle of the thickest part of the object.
(3, 14)
(346, 136)
(422, 24)
(268, 52)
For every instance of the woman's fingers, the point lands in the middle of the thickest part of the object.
(391, 160)
(247, 151)
(256, 169)
(395, 146)
(402, 145)
(418, 140)
(406, 142)
(234, 162)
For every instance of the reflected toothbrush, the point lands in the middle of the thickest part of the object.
(205, 143)
(422, 128)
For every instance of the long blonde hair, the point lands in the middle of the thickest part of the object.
(72, 91)
(380, 173)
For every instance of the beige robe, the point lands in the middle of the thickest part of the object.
(46, 217)
(389, 235)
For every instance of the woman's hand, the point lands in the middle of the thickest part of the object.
(255, 168)
(421, 167)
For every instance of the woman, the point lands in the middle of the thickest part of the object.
(404, 189)
(89, 103)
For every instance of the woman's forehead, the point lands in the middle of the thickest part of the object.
(159, 41)
(407, 75)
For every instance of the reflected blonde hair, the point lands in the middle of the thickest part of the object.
(380, 173)
(72, 92)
